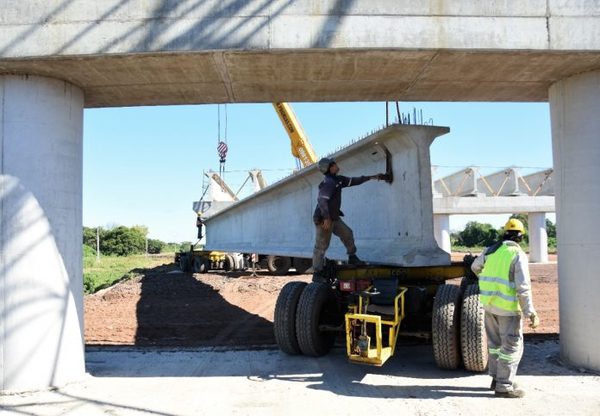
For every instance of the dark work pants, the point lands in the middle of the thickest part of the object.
(323, 238)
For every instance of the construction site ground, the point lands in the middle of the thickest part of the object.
(165, 307)
(172, 343)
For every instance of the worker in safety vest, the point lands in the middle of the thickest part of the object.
(505, 293)
(327, 215)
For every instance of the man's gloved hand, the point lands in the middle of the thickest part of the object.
(381, 177)
(534, 320)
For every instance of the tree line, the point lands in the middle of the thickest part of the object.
(124, 241)
(477, 234)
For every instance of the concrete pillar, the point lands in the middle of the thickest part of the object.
(574, 110)
(441, 231)
(41, 285)
(538, 238)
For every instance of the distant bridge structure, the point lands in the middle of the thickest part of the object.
(469, 192)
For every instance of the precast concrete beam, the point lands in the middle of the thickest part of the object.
(503, 183)
(392, 223)
(574, 110)
(41, 284)
(539, 183)
(461, 183)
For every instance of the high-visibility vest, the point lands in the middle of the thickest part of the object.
(495, 288)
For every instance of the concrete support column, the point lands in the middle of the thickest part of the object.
(41, 285)
(538, 238)
(574, 108)
(441, 231)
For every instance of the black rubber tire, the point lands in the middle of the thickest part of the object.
(284, 322)
(279, 265)
(445, 327)
(184, 264)
(473, 339)
(229, 263)
(317, 305)
(197, 264)
(205, 266)
(302, 265)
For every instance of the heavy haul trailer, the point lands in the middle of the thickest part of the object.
(202, 261)
(373, 305)
(393, 226)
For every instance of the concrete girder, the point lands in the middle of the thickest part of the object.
(502, 183)
(461, 183)
(392, 223)
(539, 183)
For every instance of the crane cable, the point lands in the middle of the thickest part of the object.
(221, 141)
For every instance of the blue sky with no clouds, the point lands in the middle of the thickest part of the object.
(144, 165)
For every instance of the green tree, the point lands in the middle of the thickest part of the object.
(89, 236)
(550, 229)
(155, 246)
(477, 234)
(185, 246)
(123, 241)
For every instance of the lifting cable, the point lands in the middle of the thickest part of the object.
(221, 140)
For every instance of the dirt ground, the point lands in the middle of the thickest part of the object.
(168, 308)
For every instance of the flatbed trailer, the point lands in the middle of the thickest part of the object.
(373, 304)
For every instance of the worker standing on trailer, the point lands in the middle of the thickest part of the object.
(505, 293)
(327, 215)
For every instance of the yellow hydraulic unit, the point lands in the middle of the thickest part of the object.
(301, 147)
(362, 326)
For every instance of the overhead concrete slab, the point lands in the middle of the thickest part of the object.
(392, 223)
(146, 52)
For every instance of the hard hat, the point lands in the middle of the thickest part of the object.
(514, 224)
(324, 164)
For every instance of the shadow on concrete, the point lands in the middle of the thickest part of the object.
(74, 403)
(410, 374)
(175, 309)
(33, 308)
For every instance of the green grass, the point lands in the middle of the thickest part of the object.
(112, 269)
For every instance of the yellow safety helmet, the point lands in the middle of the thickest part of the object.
(514, 224)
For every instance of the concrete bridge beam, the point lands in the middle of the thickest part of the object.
(574, 108)
(41, 285)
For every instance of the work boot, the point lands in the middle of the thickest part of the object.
(511, 394)
(354, 260)
(493, 385)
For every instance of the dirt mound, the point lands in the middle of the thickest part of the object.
(165, 307)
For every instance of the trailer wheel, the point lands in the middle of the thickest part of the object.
(279, 265)
(229, 263)
(445, 327)
(472, 331)
(317, 306)
(284, 324)
(184, 264)
(302, 265)
(198, 265)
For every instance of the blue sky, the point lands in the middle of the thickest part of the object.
(144, 165)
